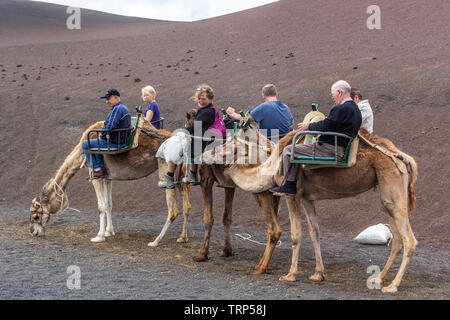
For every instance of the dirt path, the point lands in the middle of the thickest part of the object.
(125, 268)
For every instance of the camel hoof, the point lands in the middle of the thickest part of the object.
(182, 240)
(226, 253)
(153, 244)
(258, 271)
(288, 278)
(376, 280)
(98, 239)
(389, 289)
(109, 233)
(318, 276)
(200, 257)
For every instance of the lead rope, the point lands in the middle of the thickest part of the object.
(60, 193)
(384, 151)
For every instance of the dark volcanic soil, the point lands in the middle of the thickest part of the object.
(51, 79)
(124, 267)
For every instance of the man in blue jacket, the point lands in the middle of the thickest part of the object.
(118, 118)
(345, 117)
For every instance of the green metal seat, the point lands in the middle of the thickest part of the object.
(126, 146)
(323, 161)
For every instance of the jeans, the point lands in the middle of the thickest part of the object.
(97, 159)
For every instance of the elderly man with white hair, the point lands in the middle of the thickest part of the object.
(345, 117)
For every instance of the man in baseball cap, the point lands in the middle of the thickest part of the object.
(118, 118)
(111, 92)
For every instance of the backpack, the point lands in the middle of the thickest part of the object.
(218, 124)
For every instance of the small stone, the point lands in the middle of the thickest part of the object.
(354, 68)
(127, 75)
(196, 72)
(137, 80)
(290, 55)
(67, 98)
(19, 66)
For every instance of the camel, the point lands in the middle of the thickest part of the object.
(392, 170)
(132, 165)
(211, 172)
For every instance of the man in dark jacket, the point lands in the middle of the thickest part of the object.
(345, 117)
(118, 118)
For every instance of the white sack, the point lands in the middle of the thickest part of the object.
(378, 234)
(173, 148)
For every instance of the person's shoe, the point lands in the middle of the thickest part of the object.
(99, 174)
(191, 179)
(288, 188)
(167, 183)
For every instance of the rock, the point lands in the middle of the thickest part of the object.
(290, 55)
(38, 78)
(189, 51)
(137, 80)
(67, 98)
(19, 66)
(196, 72)
(127, 75)
(354, 68)
(168, 66)
(86, 74)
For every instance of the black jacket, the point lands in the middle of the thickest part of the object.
(206, 115)
(344, 118)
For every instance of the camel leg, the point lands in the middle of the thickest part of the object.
(395, 201)
(109, 225)
(227, 216)
(186, 209)
(102, 205)
(208, 221)
(172, 213)
(396, 248)
(293, 204)
(313, 225)
(269, 205)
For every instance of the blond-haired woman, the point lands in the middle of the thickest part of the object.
(152, 113)
(210, 120)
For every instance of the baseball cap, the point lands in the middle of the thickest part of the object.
(109, 93)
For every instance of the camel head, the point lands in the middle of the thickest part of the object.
(190, 117)
(248, 148)
(49, 202)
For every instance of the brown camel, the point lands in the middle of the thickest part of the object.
(394, 171)
(134, 164)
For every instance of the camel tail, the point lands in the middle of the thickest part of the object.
(413, 173)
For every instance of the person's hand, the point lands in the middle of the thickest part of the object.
(230, 111)
(303, 126)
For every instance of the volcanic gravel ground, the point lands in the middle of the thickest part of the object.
(124, 267)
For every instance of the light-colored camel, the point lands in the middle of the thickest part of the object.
(220, 174)
(394, 172)
(132, 165)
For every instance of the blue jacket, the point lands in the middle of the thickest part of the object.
(118, 118)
